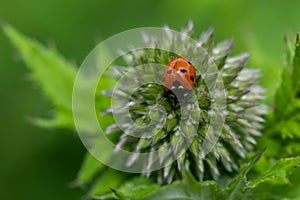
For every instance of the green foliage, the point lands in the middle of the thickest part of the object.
(286, 101)
(255, 180)
(278, 172)
(133, 188)
(239, 187)
(108, 179)
(52, 72)
(90, 167)
(282, 129)
(296, 66)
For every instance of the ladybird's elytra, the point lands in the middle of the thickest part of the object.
(179, 74)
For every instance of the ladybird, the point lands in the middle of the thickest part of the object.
(179, 74)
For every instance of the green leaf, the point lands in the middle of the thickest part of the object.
(279, 172)
(284, 95)
(52, 72)
(120, 195)
(292, 147)
(108, 179)
(296, 65)
(188, 188)
(176, 190)
(135, 188)
(205, 190)
(290, 128)
(239, 184)
(279, 190)
(286, 101)
(89, 169)
(62, 118)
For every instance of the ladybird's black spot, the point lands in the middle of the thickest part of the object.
(192, 78)
(189, 62)
(183, 70)
(169, 71)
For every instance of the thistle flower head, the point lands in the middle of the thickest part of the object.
(150, 118)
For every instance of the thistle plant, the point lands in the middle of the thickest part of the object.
(160, 111)
(149, 118)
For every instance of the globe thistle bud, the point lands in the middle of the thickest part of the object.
(150, 118)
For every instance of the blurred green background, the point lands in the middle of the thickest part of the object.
(40, 164)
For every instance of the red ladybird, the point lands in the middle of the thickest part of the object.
(179, 74)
